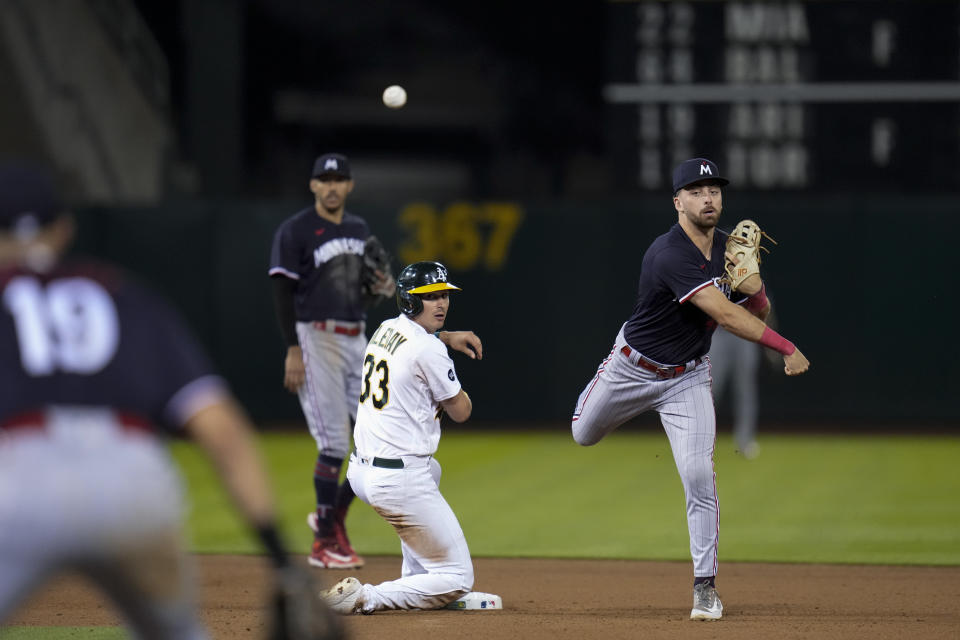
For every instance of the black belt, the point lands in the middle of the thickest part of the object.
(383, 463)
(661, 371)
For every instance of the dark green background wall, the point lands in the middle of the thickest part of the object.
(860, 284)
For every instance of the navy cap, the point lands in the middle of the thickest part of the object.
(695, 170)
(27, 196)
(331, 164)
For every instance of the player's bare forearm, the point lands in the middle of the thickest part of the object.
(459, 407)
(464, 341)
(728, 315)
(226, 435)
(743, 324)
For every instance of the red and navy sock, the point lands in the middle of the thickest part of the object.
(326, 474)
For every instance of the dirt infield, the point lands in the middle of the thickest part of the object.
(606, 599)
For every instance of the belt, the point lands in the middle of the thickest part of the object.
(39, 420)
(384, 463)
(661, 370)
(336, 326)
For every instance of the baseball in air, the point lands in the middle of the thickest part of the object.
(394, 96)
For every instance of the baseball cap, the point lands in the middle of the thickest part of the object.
(694, 170)
(27, 197)
(331, 164)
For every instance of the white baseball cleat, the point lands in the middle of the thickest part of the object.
(344, 597)
(706, 603)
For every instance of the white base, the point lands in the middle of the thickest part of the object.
(476, 600)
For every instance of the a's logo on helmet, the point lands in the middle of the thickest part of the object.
(441, 274)
(331, 163)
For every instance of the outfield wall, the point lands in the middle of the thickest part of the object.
(858, 283)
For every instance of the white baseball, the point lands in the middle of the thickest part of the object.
(394, 96)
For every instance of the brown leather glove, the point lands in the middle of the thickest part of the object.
(743, 252)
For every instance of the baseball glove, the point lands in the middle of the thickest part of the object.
(297, 612)
(743, 252)
(376, 259)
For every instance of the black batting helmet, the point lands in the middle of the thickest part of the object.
(419, 278)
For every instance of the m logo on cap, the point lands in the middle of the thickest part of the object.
(696, 170)
(331, 163)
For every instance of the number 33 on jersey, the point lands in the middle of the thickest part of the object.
(407, 373)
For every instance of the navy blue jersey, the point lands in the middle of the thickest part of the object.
(665, 326)
(84, 335)
(326, 260)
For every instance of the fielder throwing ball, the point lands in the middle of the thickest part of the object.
(691, 280)
(409, 381)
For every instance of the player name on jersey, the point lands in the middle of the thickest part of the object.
(387, 338)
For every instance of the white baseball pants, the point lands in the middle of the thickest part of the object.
(437, 568)
(622, 390)
(103, 503)
(333, 364)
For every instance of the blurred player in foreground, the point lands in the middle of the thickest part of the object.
(409, 381)
(92, 367)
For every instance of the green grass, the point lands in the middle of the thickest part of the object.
(843, 499)
(62, 633)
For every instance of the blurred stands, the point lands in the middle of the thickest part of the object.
(140, 99)
(88, 91)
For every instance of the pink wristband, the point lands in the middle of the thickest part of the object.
(777, 342)
(757, 301)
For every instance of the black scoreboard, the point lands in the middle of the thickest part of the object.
(832, 96)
